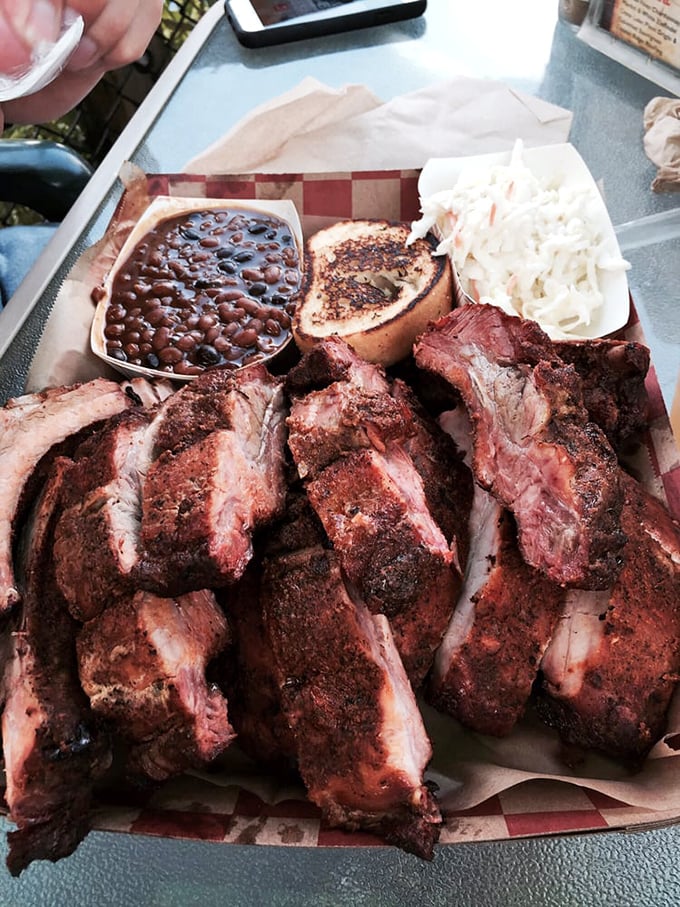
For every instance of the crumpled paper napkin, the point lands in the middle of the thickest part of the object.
(315, 128)
(661, 142)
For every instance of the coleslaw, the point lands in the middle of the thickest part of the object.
(527, 244)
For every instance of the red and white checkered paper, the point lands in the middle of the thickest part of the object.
(188, 808)
(233, 807)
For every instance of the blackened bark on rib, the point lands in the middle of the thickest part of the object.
(360, 742)
(30, 426)
(613, 375)
(217, 474)
(142, 663)
(613, 694)
(53, 751)
(534, 447)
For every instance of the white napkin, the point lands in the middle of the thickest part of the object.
(314, 128)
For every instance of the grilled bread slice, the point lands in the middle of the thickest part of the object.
(362, 282)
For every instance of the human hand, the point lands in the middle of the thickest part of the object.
(24, 25)
(116, 33)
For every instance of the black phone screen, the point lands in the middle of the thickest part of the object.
(271, 12)
(258, 23)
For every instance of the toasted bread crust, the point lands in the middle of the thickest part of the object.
(363, 283)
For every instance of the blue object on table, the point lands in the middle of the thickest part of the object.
(46, 177)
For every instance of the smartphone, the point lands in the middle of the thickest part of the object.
(259, 23)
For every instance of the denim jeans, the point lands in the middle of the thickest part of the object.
(19, 248)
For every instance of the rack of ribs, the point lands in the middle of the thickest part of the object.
(167, 498)
(216, 474)
(614, 661)
(96, 540)
(52, 751)
(535, 449)
(30, 426)
(504, 618)
(246, 669)
(142, 664)
(360, 742)
(349, 440)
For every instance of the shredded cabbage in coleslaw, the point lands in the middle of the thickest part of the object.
(525, 244)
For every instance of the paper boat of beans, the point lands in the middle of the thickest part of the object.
(200, 283)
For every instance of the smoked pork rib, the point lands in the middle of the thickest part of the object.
(32, 425)
(348, 440)
(504, 618)
(447, 481)
(142, 664)
(246, 673)
(361, 745)
(534, 448)
(373, 509)
(340, 404)
(52, 751)
(97, 537)
(247, 667)
(613, 376)
(614, 661)
(217, 473)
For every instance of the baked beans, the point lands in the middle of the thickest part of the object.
(213, 287)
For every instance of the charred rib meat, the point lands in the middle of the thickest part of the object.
(614, 661)
(504, 618)
(217, 473)
(371, 500)
(613, 376)
(534, 448)
(29, 427)
(52, 751)
(142, 664)
(360, 742)
(97, 544)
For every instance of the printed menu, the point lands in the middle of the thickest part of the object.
(643, 35)
(651, 25)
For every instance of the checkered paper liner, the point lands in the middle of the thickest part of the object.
(237, 816)
(231, 806)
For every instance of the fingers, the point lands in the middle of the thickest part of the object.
(119, 34)
(24, 26)
(54, 100)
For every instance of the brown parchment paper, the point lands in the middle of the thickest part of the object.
(661, 142)
(469, 769)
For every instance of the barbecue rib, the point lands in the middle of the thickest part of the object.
(51, 750)
(247, 668)
(373, 509)
(614, 661)
(96, 543)
(613, 377)
(29, 427)
(142, 664)
(217, 473)
(340, 404)
(348, 440)
(534, 447)
(360, 741)
(447, 481)
(486, 666)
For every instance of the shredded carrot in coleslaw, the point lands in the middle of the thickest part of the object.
(522, 243)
